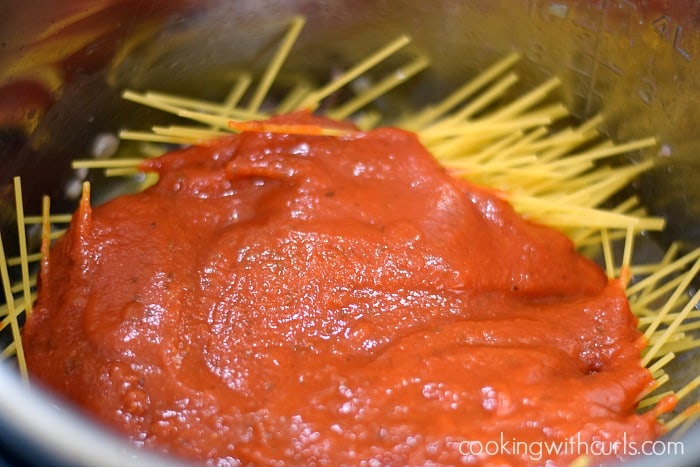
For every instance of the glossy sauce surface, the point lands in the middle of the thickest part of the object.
(309, 298)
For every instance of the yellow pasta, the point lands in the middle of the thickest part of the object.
(554, 177)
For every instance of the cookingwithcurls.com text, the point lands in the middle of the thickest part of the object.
(538, 450)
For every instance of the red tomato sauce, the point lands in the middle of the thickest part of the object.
(333, 299)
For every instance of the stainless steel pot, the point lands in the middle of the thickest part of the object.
(64, 64)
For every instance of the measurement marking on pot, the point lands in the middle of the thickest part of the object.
(670, 31)
(647, 91)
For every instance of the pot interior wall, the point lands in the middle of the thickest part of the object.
(637, 62)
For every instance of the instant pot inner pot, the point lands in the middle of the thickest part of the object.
(635, 61)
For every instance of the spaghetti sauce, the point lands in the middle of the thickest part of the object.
(333, 300)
